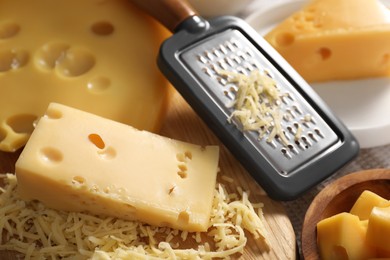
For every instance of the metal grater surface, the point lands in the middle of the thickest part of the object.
(231, 51)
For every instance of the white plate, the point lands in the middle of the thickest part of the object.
(363, 105)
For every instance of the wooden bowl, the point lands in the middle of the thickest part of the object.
(337, 197)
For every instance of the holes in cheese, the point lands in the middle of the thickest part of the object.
(80, 54)
(108, 153)
(325, 53)
(98, 84)
(49, 54)
(66, 60)
(12, 59)
(75, 62)
(183, 218)
(22, 123)
(284, 39)
(96, 140)
(160, 177)
(8, 30)
(51, 155)
(102, 28)
(78, 180)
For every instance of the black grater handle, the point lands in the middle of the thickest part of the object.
(170, 13)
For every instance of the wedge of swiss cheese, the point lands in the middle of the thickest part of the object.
(77, 161)
(94, 55)
(336, 40)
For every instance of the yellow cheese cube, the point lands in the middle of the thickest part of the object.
(378, 230)
(336, 39)
(97, 56)
(342, 237)
(77, 161)
(366, 202)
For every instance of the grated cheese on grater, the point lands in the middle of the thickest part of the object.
(39, 232)
(257, 104)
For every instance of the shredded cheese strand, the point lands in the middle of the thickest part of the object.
(256, 104)
(41, 233)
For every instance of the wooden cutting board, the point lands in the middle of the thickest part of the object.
(183, 124)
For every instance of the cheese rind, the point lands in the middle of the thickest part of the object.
(336, 40)
(77, 161)
(97, 56)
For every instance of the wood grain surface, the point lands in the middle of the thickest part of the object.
(183, 124)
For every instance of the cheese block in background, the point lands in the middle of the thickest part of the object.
(77, 161)
(336, 40)
(95, 55)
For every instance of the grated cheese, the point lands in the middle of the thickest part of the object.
(42, 233)
(257, 104)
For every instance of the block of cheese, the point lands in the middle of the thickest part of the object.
(366, 202)
(343, 236)
(378, 230)
(94, 55)
(77, 161)
(336, 40)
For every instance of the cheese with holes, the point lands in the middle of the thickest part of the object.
(343, 236)
(336, 40)
(378, 230)
(366, 202)
(77, 161)
(94, 55)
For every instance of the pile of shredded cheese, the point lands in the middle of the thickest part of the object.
(257, 104)
(42, 233)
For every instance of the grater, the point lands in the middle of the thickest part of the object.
(192, 59)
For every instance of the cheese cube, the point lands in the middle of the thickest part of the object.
(77, 161)
(336, 40)
(366, 202)
(97, 56)
(378, 230)
(343, 236)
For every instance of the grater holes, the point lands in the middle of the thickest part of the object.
(287, 98)
(272, 143)
(222, 49)
(249, 67)
(290, 114)
(242, 55)
(201, 59)
(297, 109)
(312, 136)
(235, 43)
(217, 53)
(230, 47)
(229, 61)
(318, 132)
(268, 73)
(236, 59)
(241, 70)
(306, 142)
(208, 71)
(229, 94)
(223, 65)
(222, 81)
(209, 55)
(286, 153)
